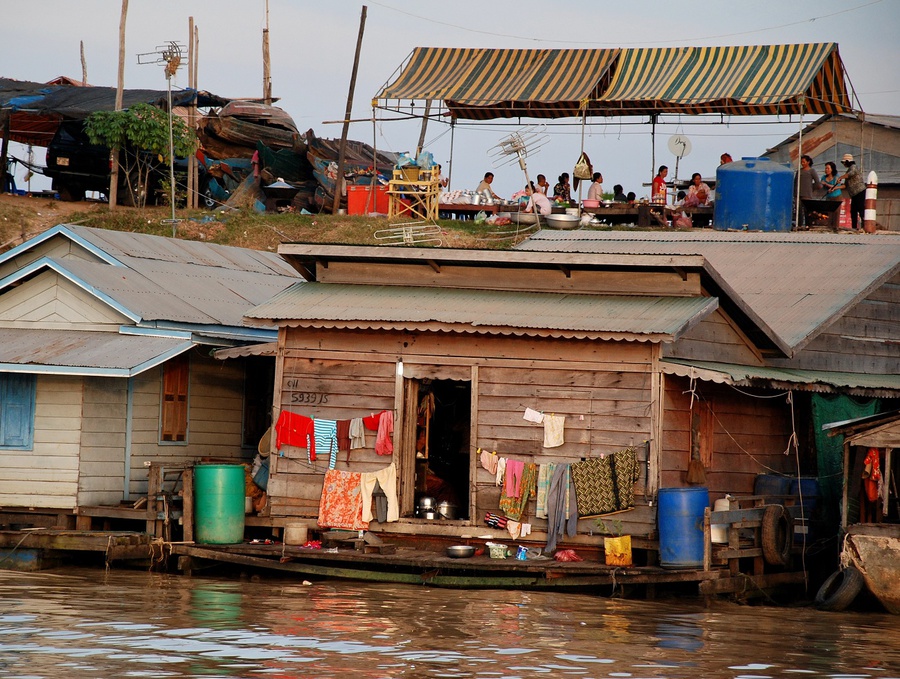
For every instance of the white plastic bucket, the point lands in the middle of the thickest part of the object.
(296, 534)
(718, 532)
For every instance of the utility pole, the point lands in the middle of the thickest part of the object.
(339, 184)
(120, 85)
(267, 71)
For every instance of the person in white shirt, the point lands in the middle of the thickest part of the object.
(538, 202)
(595, 192)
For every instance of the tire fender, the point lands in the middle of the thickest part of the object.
(839, 590)
(777, 535)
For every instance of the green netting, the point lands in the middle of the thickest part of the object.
(830, 449)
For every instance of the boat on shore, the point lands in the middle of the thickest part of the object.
(235, 130)
(874, 550)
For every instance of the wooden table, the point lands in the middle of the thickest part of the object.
(467, 210)
(641, 213)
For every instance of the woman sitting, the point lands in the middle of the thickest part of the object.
(562, 190)
(538, 202)
(698, 192)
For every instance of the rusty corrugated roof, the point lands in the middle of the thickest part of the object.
(486, 311)
(796, 283)
(85, 352)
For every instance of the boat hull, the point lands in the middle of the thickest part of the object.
(875, 551)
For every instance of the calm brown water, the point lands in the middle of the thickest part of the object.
(87, 623)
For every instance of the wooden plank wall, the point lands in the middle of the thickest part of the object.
(102, 474)
(603, 389)
(863, 340)
(750, 436)
(47, 475)
(715, 339)
(214, 418)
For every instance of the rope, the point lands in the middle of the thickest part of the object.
(9, 556)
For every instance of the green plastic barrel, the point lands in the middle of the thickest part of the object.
(219, 504)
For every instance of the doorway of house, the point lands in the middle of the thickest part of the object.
(443, 424)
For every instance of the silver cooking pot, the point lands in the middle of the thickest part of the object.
(427, 504)
(447, 510)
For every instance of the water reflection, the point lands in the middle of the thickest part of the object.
(128, 624)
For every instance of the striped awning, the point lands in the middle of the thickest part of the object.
(744, 80)
(504, 83)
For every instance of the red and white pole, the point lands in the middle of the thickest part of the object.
(870, 218)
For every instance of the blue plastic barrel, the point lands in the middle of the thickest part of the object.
(219, 504)
(772, 484)
(681, 526)
(806, 490)
(754, 194)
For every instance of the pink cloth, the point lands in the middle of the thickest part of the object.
(384, 444)
(512, 484)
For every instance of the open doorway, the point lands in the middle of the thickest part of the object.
(443, 424)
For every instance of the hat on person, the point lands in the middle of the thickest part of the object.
(848, 158)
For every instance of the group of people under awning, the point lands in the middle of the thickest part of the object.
(829, 187)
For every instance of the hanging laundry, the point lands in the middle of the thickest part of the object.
(326, 440)
(501, 471)
(387, 479)
(562, 512)
(512, 482)
(604, 485)
(514, 506)
(489, 462)
(295, 430)
(554, 426)
(533, 416)
(518, 530)
(545, 474)
(371, 421)
(343, 436)
(357, 433)
(341, 503)
(384, 444)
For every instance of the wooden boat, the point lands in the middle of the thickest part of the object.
(360, 159)
(874, 549)
(239, 125)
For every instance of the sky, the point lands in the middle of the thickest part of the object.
(312, 45)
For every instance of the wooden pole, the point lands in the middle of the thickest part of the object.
(339, 183)
(424, 126)
(120, 85)
(5, 121)
(267, 70)
(192, 120)
(83, 65)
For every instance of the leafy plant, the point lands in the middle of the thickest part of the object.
(615, 527)
(142, 135)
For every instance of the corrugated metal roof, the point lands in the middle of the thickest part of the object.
(166, 279)
(555, 314)
(84, 352)
(808, 380)
(795, 283)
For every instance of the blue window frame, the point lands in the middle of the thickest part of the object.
(17, 411)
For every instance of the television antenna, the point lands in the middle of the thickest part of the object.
(169, 54)
(517, 147)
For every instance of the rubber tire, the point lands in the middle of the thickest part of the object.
(839, 590)
(777, 535)
(70, 193)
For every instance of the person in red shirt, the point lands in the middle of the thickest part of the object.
(659, 186)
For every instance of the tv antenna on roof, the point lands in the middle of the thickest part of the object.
(170, 55)
(517, 147)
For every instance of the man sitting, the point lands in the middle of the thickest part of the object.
(484, 188)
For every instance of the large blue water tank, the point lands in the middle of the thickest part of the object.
(754, 194)
(680, 521)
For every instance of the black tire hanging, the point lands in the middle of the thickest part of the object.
(777, 535)
(839, 590)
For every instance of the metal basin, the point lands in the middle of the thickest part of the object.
(562, 221)
(460, 551)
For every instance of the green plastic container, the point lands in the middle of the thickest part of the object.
(219, 504)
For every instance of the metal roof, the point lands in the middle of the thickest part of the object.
(484, 311)
(156, 279)
(786, 378)
(795, 283)
(81, 352)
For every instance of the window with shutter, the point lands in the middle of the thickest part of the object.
(17, 411)
(174, 415)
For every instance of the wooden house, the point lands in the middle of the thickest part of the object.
(105, 365)
(677, 346)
